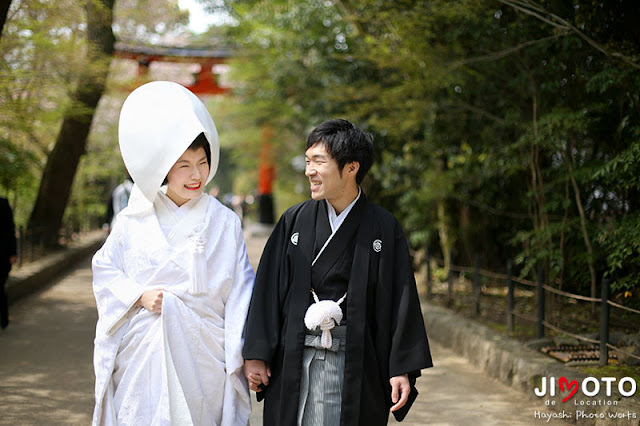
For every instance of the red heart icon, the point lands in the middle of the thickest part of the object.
(571, 386)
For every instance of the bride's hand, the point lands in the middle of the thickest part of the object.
(151, 300)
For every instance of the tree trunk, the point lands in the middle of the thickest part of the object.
(443, 225)
(583, 225)
(62, 163)
(4, 11)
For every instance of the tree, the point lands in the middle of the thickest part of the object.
(508, 128)
(39, 61)
(4, 11)
(137, 23)
(55, 186)
(290, 55)
(43, 52)
(150, 22)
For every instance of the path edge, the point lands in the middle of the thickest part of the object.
(520, 366)
(42, 273)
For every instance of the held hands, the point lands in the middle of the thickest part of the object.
(257, 373)
(400, 389)
(151, 300)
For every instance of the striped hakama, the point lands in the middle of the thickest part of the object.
(322, 379)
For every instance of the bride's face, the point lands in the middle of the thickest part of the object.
(187, 177)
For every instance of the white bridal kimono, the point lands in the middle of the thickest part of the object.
(183, 366)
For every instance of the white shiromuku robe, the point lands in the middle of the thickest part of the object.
(183, 366)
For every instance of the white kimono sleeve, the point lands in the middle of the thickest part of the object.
(237, 398)
(115, 293)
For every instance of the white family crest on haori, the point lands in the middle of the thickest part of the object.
(294, 238)
(324, 314)
(377, 246)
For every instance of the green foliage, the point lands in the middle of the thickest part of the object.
(622, 170)
(40, 54)
(148, 21)
(621, 243)
(43, 51)
(290, 53)
(16, 173)
(14, 164)
(495, 131)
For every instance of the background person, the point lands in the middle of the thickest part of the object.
(118, 200)
(8, 256)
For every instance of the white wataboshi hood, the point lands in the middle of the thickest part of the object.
(158, 122)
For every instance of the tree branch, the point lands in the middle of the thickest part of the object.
(533, 9)
(502, 53)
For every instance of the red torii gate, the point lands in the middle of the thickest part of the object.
(206, 83)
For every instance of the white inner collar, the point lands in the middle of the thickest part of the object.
(335, 220)
(179, 211)
(169, 214)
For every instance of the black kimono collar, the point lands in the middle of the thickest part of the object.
(340, 241)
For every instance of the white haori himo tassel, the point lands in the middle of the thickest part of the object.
(198, 269)
(324, 314)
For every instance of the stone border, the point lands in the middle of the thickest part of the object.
(37, 275)
(522, 368)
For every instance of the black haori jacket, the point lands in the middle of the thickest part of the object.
(385, 330)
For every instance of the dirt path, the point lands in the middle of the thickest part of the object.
(46, 372)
